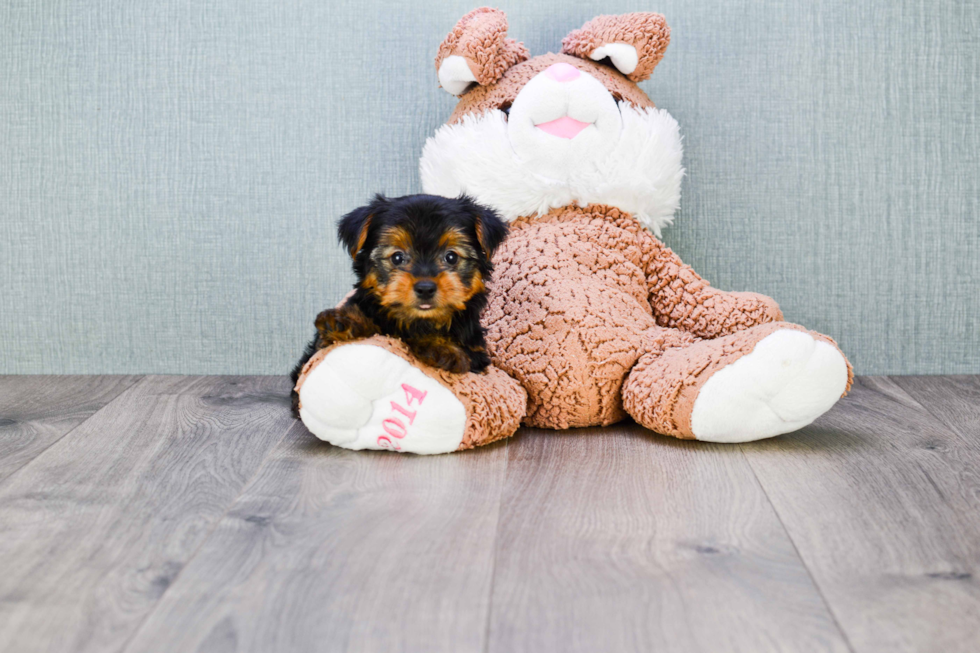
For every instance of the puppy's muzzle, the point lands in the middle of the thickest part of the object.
(425, 289)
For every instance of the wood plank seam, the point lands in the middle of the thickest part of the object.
(789, 536)
(496, 538)
(882, 427)
(221, 426)
(122, 392)
(211, 531)
(618, 539)
(940, 419)
(318, 541)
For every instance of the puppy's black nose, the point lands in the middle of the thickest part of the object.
(425, 289)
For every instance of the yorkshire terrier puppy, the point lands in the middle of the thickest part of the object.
(421, 263)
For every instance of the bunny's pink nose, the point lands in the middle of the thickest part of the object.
(562, 72)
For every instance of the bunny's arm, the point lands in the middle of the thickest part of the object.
(681, 299)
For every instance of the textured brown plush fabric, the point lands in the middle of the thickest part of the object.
(481, 98)
(480, 38)
(591, 315)
(683, 300)
(661, 389)
(647, 32)
(494, 402)
(580, 294)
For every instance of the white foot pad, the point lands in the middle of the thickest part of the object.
(787, 381)
(365, 397)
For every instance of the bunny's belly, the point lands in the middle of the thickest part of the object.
(567, 317)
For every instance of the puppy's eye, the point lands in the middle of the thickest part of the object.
(452, 258)
(397, 258)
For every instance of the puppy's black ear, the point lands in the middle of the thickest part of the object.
(490, 229)
(354, 227)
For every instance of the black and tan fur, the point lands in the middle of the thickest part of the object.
(422, 263)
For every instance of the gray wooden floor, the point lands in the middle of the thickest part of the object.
(193, 514)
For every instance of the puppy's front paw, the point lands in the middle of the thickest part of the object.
(329, 323)
(479, 360)
(343, 325)
(442, 353)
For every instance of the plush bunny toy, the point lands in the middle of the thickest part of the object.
(591, 318)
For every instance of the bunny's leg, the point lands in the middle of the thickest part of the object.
(763, 381)
(373, 394)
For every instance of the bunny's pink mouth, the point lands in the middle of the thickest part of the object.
(564, 127)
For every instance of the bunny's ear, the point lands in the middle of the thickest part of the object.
(634, 43)
(477, 50)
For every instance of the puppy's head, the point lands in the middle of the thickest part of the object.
(422, 257)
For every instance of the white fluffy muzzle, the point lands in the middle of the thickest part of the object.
(639, 171)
